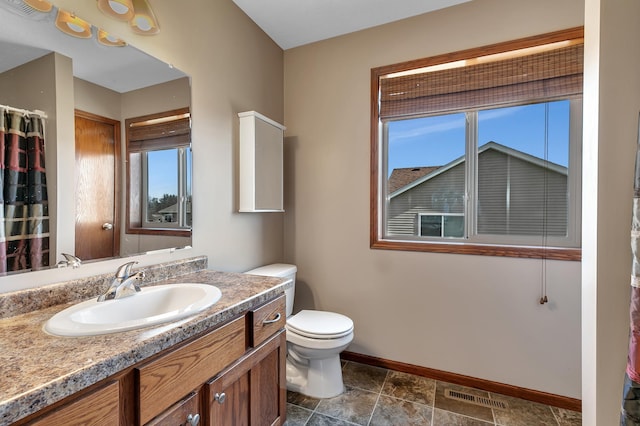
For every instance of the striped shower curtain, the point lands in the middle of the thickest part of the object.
(24, 218)
(630, 410)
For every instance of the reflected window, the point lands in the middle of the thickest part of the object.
(159, 173)
(167, 188)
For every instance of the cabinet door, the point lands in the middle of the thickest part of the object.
(253, 390)
(101, 407)
(228, 397)
(169, 378)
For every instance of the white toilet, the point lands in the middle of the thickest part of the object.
(314, 342)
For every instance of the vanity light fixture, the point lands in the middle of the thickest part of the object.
(144, 21)
(39, 5)
(108, 40)
(70, 24)
(119, 9)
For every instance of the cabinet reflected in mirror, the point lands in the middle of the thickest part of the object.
(87, 90)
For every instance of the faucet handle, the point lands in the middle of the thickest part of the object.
(70, 260)
(125, 270)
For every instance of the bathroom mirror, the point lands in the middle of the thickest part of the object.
(109, 84)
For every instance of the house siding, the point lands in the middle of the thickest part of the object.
(511, 198)
(443, 193)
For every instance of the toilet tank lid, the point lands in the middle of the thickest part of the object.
(280, 270)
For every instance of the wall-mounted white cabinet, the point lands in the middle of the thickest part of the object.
(261, 163)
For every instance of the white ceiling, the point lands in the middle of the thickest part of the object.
(292, 23)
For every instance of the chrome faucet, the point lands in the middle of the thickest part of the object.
(69, 260)
(124, 284)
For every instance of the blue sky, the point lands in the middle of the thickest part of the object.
(163, 173)
(435, 141)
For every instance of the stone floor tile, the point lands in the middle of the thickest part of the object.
(446, 418)
(322, 420)
(364, 376)
(391, 412)
(302, 400)
(523, 413)
(354, 405)
(410, 387)
(567, 417)
(297, 416)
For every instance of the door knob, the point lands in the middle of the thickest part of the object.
(107, 226)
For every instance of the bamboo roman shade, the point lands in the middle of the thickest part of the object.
(161, 134)
(543, 75)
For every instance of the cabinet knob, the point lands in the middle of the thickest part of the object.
(193, 419)
(220, 397)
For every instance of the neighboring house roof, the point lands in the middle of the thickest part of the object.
(404, 176)
(432, 171)
(173, 209)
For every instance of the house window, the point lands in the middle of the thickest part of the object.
(440, 225)
(159, 173)
(478, 152)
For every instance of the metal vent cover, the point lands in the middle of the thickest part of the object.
(476, 400)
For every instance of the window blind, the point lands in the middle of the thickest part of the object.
(162, 133)
(548, 74)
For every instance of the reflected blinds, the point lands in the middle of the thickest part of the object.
(487, 81)
(167, 130)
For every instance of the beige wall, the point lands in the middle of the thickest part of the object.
(472, 315)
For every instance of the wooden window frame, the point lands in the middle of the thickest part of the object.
(134, 149)
(377, 240)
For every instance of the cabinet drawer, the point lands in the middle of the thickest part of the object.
(267, 320)
(101, 407)
(180, 413)
(169, 378)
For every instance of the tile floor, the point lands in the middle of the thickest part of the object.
(379, 397)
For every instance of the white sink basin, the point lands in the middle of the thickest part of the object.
(151, 306)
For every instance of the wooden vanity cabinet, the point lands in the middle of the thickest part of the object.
(252, 391)
(232, 375)
(236, 372)
(166, 380)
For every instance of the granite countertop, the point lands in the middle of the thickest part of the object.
(39, 369)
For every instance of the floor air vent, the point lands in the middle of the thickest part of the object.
(476, 400)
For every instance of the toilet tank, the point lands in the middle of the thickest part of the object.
(280, 270)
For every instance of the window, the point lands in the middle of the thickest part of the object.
(159, 173)
(478, 152)
(166, 184)
(442, 225)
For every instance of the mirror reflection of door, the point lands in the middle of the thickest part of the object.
(96, 192)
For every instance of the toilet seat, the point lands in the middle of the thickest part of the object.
(319, 324)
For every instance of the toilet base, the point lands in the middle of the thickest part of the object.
(317, 378)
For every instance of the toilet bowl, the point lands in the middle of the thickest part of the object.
(314, 342)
